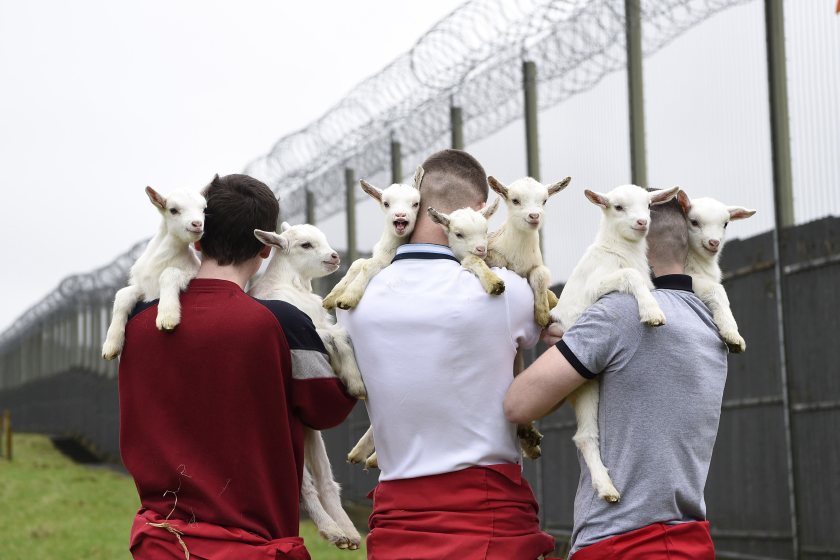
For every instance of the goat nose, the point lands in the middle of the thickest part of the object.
(399, 215)
(481, 250)
(642, 222)
(714, 242)
(197, 224)
(535, 216)
(334, 256)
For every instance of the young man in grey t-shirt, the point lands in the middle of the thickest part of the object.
(661, 390)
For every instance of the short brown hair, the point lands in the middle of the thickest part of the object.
(452, 179)
(668, 234)
(236, 206)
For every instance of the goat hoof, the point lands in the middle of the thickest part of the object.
(735, 343)
(654, 319)
(612, 498)
(497, 288)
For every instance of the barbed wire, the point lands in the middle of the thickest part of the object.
(472, 58)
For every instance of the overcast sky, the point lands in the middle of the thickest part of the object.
(102, 98)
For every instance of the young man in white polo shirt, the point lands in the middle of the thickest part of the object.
(437, 355)
(661, 389)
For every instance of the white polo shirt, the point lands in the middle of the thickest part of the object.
(436, 353)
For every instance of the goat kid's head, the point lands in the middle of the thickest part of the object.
(182, 212)
(303, 248)
(627, 209)
(400, 202)
(525, 199)
(466, 229)
(707, 221)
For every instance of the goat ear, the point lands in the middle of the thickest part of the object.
(285, 226)
(597, 198)
(685, 202)
(490, 210)
(738, 213)
(663, 196)
(372, 191)
(497, 187)
(559, 186)
(157, 199)
(272, 239)
(438, 217)
(418, 177)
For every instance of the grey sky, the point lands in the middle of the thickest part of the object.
(102, 98)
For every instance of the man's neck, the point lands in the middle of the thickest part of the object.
(426, 231)
(665, 269)
(238, 274)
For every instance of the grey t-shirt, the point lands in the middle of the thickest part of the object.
(661, 391)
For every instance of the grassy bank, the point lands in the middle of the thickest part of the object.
(52, 508)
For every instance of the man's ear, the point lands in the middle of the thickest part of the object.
(197, 246)
(265, 252)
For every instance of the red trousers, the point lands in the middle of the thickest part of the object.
(155, 538)
(685, 541)
(480, 513)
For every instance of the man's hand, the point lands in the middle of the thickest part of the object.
(552, 334)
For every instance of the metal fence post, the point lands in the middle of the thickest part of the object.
(396, 161)
(350, 188)
(456, 120)
(532, 140)
(635, 90)
(784, 217)
(7, 433)
(310, 207)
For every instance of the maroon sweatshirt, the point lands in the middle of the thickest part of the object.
(212, 414)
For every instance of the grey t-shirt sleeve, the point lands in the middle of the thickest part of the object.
(604, 337)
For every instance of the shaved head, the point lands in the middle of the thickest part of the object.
(453, 179)
(668, 235)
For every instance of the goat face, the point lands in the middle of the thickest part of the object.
(526, 199)
(466, 229)
(182, 211)
(304, 248)
(626, 209)
(400, 203)
(707, 221)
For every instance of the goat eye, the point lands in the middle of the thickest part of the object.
(515, 201)
(415, 205)
(459, 235)
(695, 223)
(726, 224)
(306, 245)
(544, 201)
(619, 207)
(386, 204)
(174, 211)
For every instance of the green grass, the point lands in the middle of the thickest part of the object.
(52, 508)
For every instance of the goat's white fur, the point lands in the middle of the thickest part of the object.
(707, 220)
(466, 230)
(400, 203)
(516, 244)
(302, 253)
(615, 262)
(164, 269)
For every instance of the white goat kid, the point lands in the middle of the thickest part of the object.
(516, 244)
(466, 230)
(164, 269)
(302, 253)
(400, 203)
(615, 262)
(707, 221)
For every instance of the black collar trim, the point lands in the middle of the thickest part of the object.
(673, 282)
(423, 255)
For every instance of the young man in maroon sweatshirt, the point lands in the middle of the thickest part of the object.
(212, 414)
